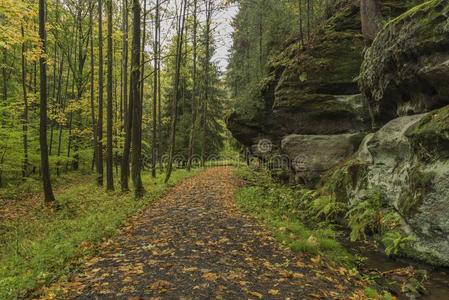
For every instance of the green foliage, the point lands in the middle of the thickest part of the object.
(394, 241)
(371, 293)
(42, 245)
(365, 216)
(327, 207)
(282, 208)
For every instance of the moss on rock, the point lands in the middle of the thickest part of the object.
(430, 136)
(404, 72)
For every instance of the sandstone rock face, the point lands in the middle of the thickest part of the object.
(311, 155)
(410, 170)
(406, 69)
(312, 89)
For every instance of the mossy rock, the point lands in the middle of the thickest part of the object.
(418, 186)
(342, 179)
(311, 88)
(430, 136)
(329, 66)
(405, 71)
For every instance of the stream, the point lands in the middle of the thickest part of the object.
(392, 273)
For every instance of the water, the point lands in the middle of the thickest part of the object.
(436, 285)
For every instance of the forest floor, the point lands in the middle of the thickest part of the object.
(195, 243)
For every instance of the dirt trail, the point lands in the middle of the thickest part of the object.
(194, 243)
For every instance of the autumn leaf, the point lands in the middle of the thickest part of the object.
(273, 292)
(256, 294)
(210, 276)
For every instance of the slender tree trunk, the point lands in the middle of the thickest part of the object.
(301, 31)
(92, 82)
(206, 79)
(63, 103)
(155, 89)
(109, 146)
(45, 168)
(25, 110)
(5, 74)
(308, 20)
(142, 72)
(136, 164)
(159, 101)
(194, 109)
(124, 175)
(176, 89)
(261, 10)
(100, 95)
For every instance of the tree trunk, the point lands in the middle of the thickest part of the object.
(308, 20)
(206, 78)
(127, 111)
(109, 144)
(142, 72)
(100, 95)
(136, 164)
(92, 82)
(194, 109)
(154, 152)
(301, 31)
(5, 75)
(45, 168)
(371, 17)
(25, 110)
(179, 43)
(159, 101)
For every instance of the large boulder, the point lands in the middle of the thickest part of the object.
(312, 155)
(406, 69)
(407, 163)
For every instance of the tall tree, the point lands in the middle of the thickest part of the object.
(142, 65)
(125, 59)
(5, 74)
(206, 79)
(136, 165)
(100, 95)
(25, 108)
(176, 89)
(128, 107)
(45, 168)
(110, 116)
(194, 89)
(155, 91)
(301, 31)
(92, 82)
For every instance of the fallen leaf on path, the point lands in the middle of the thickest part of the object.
(160, 285)
(210, 276)
(256, 294)
(273, 292)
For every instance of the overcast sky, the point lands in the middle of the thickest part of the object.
(222, 20)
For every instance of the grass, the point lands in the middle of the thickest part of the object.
(281, 208)
(41, 246)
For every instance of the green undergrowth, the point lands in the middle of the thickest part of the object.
(43, 245)
(290, 215)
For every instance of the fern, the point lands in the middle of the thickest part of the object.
(394, 242)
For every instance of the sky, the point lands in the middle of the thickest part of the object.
(222, 24)
(223, 21)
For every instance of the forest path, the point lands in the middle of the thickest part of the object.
(194, 243)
